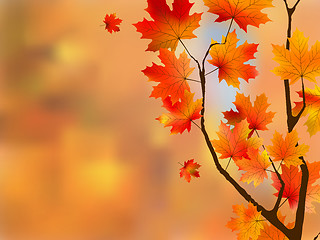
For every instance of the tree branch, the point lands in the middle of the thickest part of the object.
(213, 44)
(194, 59)
(277, 204)
(296, 232)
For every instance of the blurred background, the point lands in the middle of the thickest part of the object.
(81, 154)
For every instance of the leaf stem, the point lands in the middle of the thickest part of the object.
(185, 47)
(211, 71)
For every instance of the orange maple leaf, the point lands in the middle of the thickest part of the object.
(111, 22)
(298, 62)
(172, 76)
(230, 60)
(255, 167)
(168, 26)
(181, 114)
(270, 232)
(244, 12)
(189, 169)
(249, 222)
(292, 179)
(312, 109)
(257, 115)
(235, 143)
(286, 150)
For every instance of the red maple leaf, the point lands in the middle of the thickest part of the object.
(292, 179)
(169, 26)
(111, 22)
(172, 77)
(189, 169)
(231, 59)
(257, 115)
(181, 114)
(244, 12)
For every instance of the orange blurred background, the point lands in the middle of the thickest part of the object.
(82, 157)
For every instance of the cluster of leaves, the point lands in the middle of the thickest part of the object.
(238, 138)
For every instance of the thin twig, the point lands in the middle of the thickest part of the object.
(194, 59)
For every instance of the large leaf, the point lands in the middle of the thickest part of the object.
(172, 77)
(298, 62)
(230, 60)
(248, 223)
(181, 114)
(168, 26)
(244, 12)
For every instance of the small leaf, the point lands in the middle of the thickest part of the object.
(189, 169)
(111, 23)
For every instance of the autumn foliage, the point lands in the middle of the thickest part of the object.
(238, 139)
(111, 22)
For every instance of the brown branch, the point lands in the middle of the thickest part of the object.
(277, 203)
(213, 44)
(291, 123)
(271, 216)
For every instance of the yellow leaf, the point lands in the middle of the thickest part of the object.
(298, 62)
(286, 150)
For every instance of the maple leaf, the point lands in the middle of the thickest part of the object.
(235, 143)
(172, 76)
(168, 26)
(243, 12)
(298, 62)
(312, 97)
(257, 115)
(255, 167)
(249, 222)
(286, 150)
(230, 60)
(270, 232)
(181, 114)
(189, 169)
(111, 22)
(292, 179)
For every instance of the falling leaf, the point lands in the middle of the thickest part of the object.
(111, 22)
(235, 143)
(244, 12)
(286, 150)
(169, 26)
(230, 60)
(172, 77)
(181, 114)
(189, 169)
(298, 62)
(248, 223)
(255, 167)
